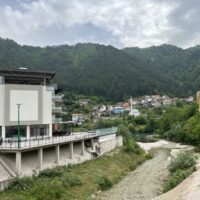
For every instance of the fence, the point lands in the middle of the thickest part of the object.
(45, 141)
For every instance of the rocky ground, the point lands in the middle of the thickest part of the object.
(144, 183)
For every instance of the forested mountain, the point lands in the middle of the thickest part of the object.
(179, 66)
(94, 69)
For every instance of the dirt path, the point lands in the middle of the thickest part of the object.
(142, 184)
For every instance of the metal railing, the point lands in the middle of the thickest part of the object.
(57, 109)
(106, 131)
(46, 141)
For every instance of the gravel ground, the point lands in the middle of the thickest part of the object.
(144, 183)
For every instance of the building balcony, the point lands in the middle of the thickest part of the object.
(49, 88)
(57, 120)
(58, 97)
(57, 109)
(11, 144)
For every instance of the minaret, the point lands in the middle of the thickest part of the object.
(131, 111)
(198, 99)
(131, 102)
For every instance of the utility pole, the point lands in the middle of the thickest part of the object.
(18, 125)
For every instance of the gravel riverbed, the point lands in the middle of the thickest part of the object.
(144, 183)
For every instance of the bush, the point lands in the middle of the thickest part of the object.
(52, 190)
(149, 156)
(131, 128)
(131, 146)
(177, 178)
(104, 183)
(21, 184)
(133, 167)
(182, 161)
(140, 120)
(50, 173)
(71, 181)
(180, 168)
(124, 131)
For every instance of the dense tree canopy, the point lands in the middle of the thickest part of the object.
(93, 69)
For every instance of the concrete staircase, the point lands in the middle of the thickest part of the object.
(93, 152)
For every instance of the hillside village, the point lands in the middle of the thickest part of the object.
(130, 107)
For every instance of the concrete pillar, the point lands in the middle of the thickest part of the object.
(28, 132)
(71, 150)
(40, 158)
(57, 154)
(45, 81)
(18, 163)
(3, 132)
(82, 147)
(50, 130)
(92, 143)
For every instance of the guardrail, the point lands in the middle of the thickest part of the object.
(46, 141)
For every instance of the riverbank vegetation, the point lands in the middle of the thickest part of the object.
(180, 168)
(178, 123)
(80, 181)
(181, 124)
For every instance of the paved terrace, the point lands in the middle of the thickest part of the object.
(12, 144)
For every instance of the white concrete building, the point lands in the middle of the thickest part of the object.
(37, 148)
(30, 90)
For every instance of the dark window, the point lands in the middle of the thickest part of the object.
(39, 130)
(12, 131)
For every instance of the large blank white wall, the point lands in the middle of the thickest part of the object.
(47, 106)
(2, 105)
(29, 105)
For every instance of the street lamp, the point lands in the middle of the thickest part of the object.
(18, 125)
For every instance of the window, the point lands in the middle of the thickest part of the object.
(39, 130)
(12, 131)
(1, 80)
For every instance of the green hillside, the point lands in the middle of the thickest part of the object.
(181, 66)
(93, 69)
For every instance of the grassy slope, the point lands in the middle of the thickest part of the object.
(114, 167)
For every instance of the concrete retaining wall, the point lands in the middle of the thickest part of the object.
(110, 142)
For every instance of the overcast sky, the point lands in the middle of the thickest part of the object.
(121, 23)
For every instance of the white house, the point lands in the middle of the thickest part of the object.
(102, 108)
(77, 118)
(134, 112)
(189, 99)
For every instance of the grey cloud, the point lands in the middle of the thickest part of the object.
(120, 23)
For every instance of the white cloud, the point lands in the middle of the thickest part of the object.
(131, 22)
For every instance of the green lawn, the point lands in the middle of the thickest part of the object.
(75, 182)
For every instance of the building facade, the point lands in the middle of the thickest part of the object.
(27, 96)
(28, 102)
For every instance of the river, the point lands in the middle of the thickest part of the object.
(144, 183)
